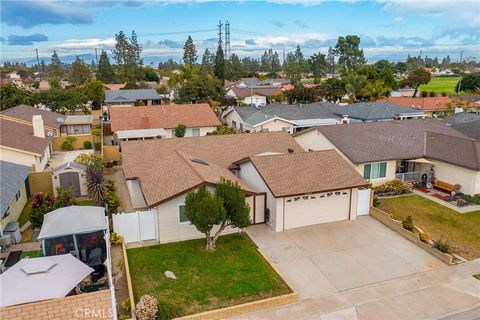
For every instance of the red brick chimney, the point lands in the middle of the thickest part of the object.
(145, 122)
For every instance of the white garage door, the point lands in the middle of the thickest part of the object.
(317, 208)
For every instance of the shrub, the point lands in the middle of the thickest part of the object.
(424, 237)
(180, 130)
(376, 202)
(115, 238)
(98, 146)
(90, 160)
(67, 145)
(146, 308)
(407, 223)
(113, 202)
(167, 311)
(442, 246)
(394, 187)
(432, 94)
(475, 199)
(41, 205)
(444, 94)
(424, 94)
(126, 304)
(87, 144)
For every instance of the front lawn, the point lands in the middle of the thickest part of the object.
(233, 274)
(461, 230)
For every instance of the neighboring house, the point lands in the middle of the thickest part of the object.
(383, 151)
(70, 175)
(432, 106)
(280, 117)
(257, 96)
(271, 168)
(132, 96)
(14, 191)
(77, 125)
(375, 111)
(25, 144)
(469, 97)
(304, 188)
(467, 123)
(24, 114)
(160, 121)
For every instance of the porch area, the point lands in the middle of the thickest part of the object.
(412, 170)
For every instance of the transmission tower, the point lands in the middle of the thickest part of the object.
(220, 25)
(228, 51)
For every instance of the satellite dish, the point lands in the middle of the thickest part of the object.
(60, 120)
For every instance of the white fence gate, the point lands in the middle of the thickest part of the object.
(135, 226)
(363, 202)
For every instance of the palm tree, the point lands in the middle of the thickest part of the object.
(377, 90)
(96, 185)
(355, 85)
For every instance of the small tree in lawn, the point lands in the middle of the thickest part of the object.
(227, 207)
(180, 130)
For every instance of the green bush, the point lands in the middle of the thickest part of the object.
(424, 94)
(87, 144)
(376, 202)
(444, 94)
(432, 94)
(167, 311)
(442, 246)
(98, 146)
(407, 224)
(475, 199)
(67, 146)
(391, 188)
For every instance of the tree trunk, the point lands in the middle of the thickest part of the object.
(211, 241)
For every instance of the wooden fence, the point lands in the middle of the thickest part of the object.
(111, 153)
(77, 144)
(40, 182)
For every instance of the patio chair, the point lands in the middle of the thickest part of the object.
(58, 248)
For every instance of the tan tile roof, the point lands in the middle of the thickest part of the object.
(164, 116)
(165, 169)
(25, 113)
(303, 173)
(20, 136)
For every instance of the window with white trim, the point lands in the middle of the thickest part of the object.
(375, 170)
(181, 214)
(234, 124)
(6, 213)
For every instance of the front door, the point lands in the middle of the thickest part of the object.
(68, 179)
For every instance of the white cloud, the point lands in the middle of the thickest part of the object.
(75, 44)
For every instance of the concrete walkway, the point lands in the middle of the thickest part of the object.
(362, 270)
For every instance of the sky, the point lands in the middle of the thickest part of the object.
(388, 28)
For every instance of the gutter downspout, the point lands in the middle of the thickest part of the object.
(350, 206)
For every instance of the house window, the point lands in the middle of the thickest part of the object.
(375, 170)
(173, 133)
(234, 124)
(241, 127)
(6, 213)
(181, 214)
(265, 130)
(18, 195)
(195, 132)
(286, 129)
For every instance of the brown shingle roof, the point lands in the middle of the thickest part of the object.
(20, 136)
(163, 172)
(384, 140)
(25, 113)
(164, 116)
(303, 173)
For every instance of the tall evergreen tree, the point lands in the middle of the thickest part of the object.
(189, 53)
(80, 74)
(56, 65)
(105, 72)
(207, 65)
(219, 68)
(318, 65)
(276, 65)
(350, 56)
(135, 62)
(120, 53)
(236, 68)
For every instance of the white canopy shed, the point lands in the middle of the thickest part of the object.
(38, 279)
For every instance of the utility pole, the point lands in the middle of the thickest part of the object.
(227, 41)
(283, 62)
(96, 59)
(38, 64)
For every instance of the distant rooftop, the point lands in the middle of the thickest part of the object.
(131, 95)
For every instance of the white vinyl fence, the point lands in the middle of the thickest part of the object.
(363, 203)
(135, 226)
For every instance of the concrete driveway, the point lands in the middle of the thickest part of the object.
(362, 270)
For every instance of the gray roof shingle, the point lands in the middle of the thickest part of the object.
(132, 95)
(461, 117)
(373, 111)
(12, 176)
(470, 129)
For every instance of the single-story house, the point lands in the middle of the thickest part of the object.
(14, 191)
(24, 114)
(131, 97)
(70, 175)
(280, 117)
(160, 173)
(383, 151)
(375, 111)
(25, 144)
(253, 95)
(151, 122)
(432, 106)
(304, 188)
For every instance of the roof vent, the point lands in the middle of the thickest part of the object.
(199, 161)
(290, 150)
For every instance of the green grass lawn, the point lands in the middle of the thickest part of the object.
(25, 215)
(441, 84)
(31, 254)
(86, 202)
(461, 230)
(235, 273)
